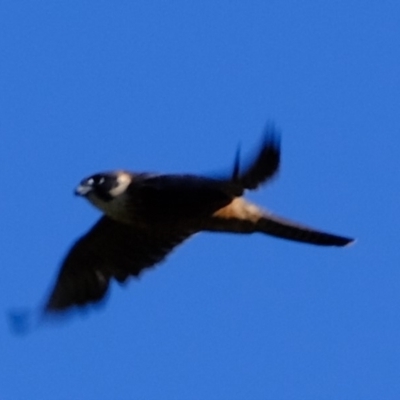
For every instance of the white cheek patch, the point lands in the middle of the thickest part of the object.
(124, 181)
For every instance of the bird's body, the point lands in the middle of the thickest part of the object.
(147, 215)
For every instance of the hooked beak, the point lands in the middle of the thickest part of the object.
(83, 190)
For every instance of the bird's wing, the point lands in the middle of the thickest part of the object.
(263, 165)
(109, 250)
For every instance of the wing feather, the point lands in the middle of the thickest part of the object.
(110, 250)
(264, 165)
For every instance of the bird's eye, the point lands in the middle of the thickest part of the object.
(96, 180)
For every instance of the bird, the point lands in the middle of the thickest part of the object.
(146, 215)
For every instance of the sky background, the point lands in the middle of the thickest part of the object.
(174, 86)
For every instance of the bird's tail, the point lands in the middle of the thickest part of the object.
(241, 216)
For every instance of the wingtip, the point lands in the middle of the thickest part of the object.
(236, 165)
(272, 134)
(264, 164)
(22, 321)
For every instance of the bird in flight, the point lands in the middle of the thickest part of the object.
(146, 215)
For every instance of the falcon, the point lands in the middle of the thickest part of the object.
(145, 216)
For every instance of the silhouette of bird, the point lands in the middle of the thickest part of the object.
(146, 215)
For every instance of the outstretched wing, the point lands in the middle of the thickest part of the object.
(109, 250)
(263, 166)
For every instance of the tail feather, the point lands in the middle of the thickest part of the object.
(241, 216)
(285, 229)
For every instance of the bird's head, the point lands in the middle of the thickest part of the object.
(104, 188)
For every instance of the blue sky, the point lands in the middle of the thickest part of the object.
(174, 87)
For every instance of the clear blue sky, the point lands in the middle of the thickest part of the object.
(174, 86)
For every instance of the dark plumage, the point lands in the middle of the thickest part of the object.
(147, 215)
